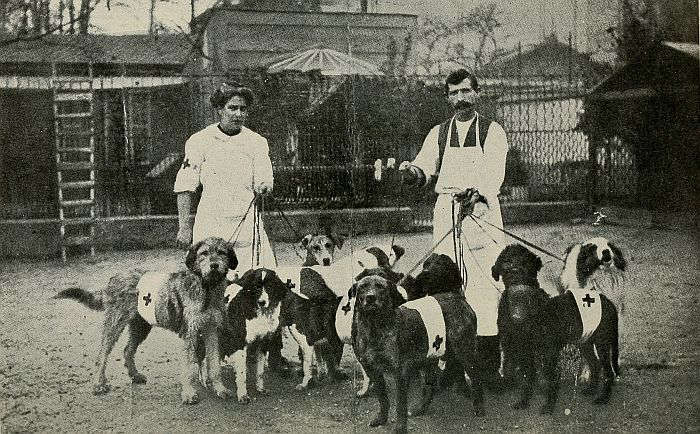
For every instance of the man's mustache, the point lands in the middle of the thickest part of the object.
(463, 105)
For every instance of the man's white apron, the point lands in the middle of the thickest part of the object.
(461, 168)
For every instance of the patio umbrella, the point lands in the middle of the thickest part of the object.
(325, 60)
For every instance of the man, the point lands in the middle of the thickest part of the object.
(467, 151)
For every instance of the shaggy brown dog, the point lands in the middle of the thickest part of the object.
(393, 339)
(518, 315)
(188, 302)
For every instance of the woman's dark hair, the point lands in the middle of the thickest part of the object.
(459, 76)
(228, 90)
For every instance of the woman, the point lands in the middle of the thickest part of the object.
(232, 164)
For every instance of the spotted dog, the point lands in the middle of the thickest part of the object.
(583, 316)
(188, 302)
(254, 303)
(313, 312)
(397, 339)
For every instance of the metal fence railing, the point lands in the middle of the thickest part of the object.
(324, 133)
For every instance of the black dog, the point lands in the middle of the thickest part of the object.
(519, 315)
(439, 274)
(389, 338)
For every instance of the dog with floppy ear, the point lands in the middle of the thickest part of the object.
(584, 316)
(400, 339)
(518, 315)
(188, 302)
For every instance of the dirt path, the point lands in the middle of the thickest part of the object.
(47, 349)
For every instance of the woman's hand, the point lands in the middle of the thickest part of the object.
(184, 236)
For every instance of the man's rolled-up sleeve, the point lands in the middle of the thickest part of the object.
(428, 156)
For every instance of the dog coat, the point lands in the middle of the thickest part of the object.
(589, 308)
(301, 279)
(434, 321)
(150, 286)
(343, 318)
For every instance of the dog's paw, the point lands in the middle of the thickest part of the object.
(547, 409)
(304, 386)
(521, 404)
(340, 375)
(189, 397)
(378, 421)
(262, 391)
(138, 378)
(364, 391)
(400, 429)
(590, 390)
(223, 392)
(420, 411)
(602, 399)
(101, 389)
(244, 400)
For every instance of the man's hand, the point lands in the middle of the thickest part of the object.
(409, 173)
(261, 188)
(184, 236)
(480, 208)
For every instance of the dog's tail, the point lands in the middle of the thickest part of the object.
(89, 299)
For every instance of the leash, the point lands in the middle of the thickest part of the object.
(241, 222)
(286, 220)
(255, 245)
(431, 250)
(522, 240)
(457, 244)
(481, 269)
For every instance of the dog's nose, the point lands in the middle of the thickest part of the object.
(214, 266)
(326, 262)
(606, 255)
(262, 303)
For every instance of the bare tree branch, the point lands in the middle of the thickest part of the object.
(24, 33)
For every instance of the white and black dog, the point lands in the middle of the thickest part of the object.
(253, 306)
(312, 305)
(599, 264)
(583, 315)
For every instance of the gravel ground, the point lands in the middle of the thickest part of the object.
(48, 348)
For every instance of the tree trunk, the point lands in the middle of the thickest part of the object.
(151, 17)
(3, 13)
(61, 12)
(71, 17)
(84, 17)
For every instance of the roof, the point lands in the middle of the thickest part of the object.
(671, 68)
(121, 49)
(684, 47)
(550, 57)
(239, 39)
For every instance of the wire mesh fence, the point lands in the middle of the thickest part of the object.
(325, 134)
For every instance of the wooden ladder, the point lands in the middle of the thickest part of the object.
(73, 108)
